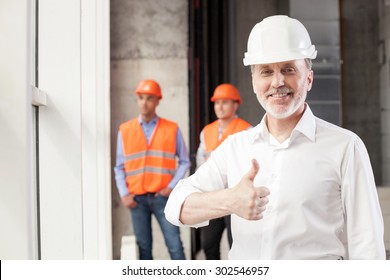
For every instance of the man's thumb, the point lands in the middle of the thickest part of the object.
(254, 169)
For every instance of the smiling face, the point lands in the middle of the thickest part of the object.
(281, 88)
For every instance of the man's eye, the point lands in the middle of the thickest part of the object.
(289, 70)
(266, 72)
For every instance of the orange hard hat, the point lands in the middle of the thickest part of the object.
(226, 91)
(149, 87)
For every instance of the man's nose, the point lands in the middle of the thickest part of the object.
(277, 80)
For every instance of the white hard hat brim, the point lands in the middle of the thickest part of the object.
(280, 57)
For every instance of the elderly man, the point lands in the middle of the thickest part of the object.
(296, 186)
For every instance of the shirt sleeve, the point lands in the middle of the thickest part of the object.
(201, 153)
(362, 210)
(184, 160)
(210, 176)
(119, 169)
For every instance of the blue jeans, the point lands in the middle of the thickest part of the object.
(141, 215)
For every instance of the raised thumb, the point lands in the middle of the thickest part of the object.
(254, 169)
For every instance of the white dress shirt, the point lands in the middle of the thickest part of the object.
(323, 202)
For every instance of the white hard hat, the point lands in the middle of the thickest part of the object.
(278, 38)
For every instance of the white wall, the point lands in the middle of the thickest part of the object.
(17, 229)
(95, 125)
(74, 131)
(60, 129)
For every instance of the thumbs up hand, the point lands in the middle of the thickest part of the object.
(250, 201)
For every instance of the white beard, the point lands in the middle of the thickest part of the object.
(291, 109)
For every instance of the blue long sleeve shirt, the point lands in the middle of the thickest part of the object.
(148, 128)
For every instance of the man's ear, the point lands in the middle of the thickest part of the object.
(310, 80)
(253, 70)
(253, 85)
(236, 105)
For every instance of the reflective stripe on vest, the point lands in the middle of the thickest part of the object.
(211, 133)
(150, 153)
(148, 169)
(149, 166)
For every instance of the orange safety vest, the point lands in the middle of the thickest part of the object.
(210, 133)
(149, 166)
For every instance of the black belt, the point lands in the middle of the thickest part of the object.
(148, 194)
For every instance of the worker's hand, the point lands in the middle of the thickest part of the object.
(250, 201)
(165, 191)
(128, 201)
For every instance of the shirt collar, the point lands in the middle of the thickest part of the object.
(153, 121)
(260, 130)
(305, 126)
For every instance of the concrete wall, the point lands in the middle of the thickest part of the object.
(384, 68)
(149, 39)
(360, 77)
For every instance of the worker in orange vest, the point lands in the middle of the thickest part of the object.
(226, 98)
(145, 172)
